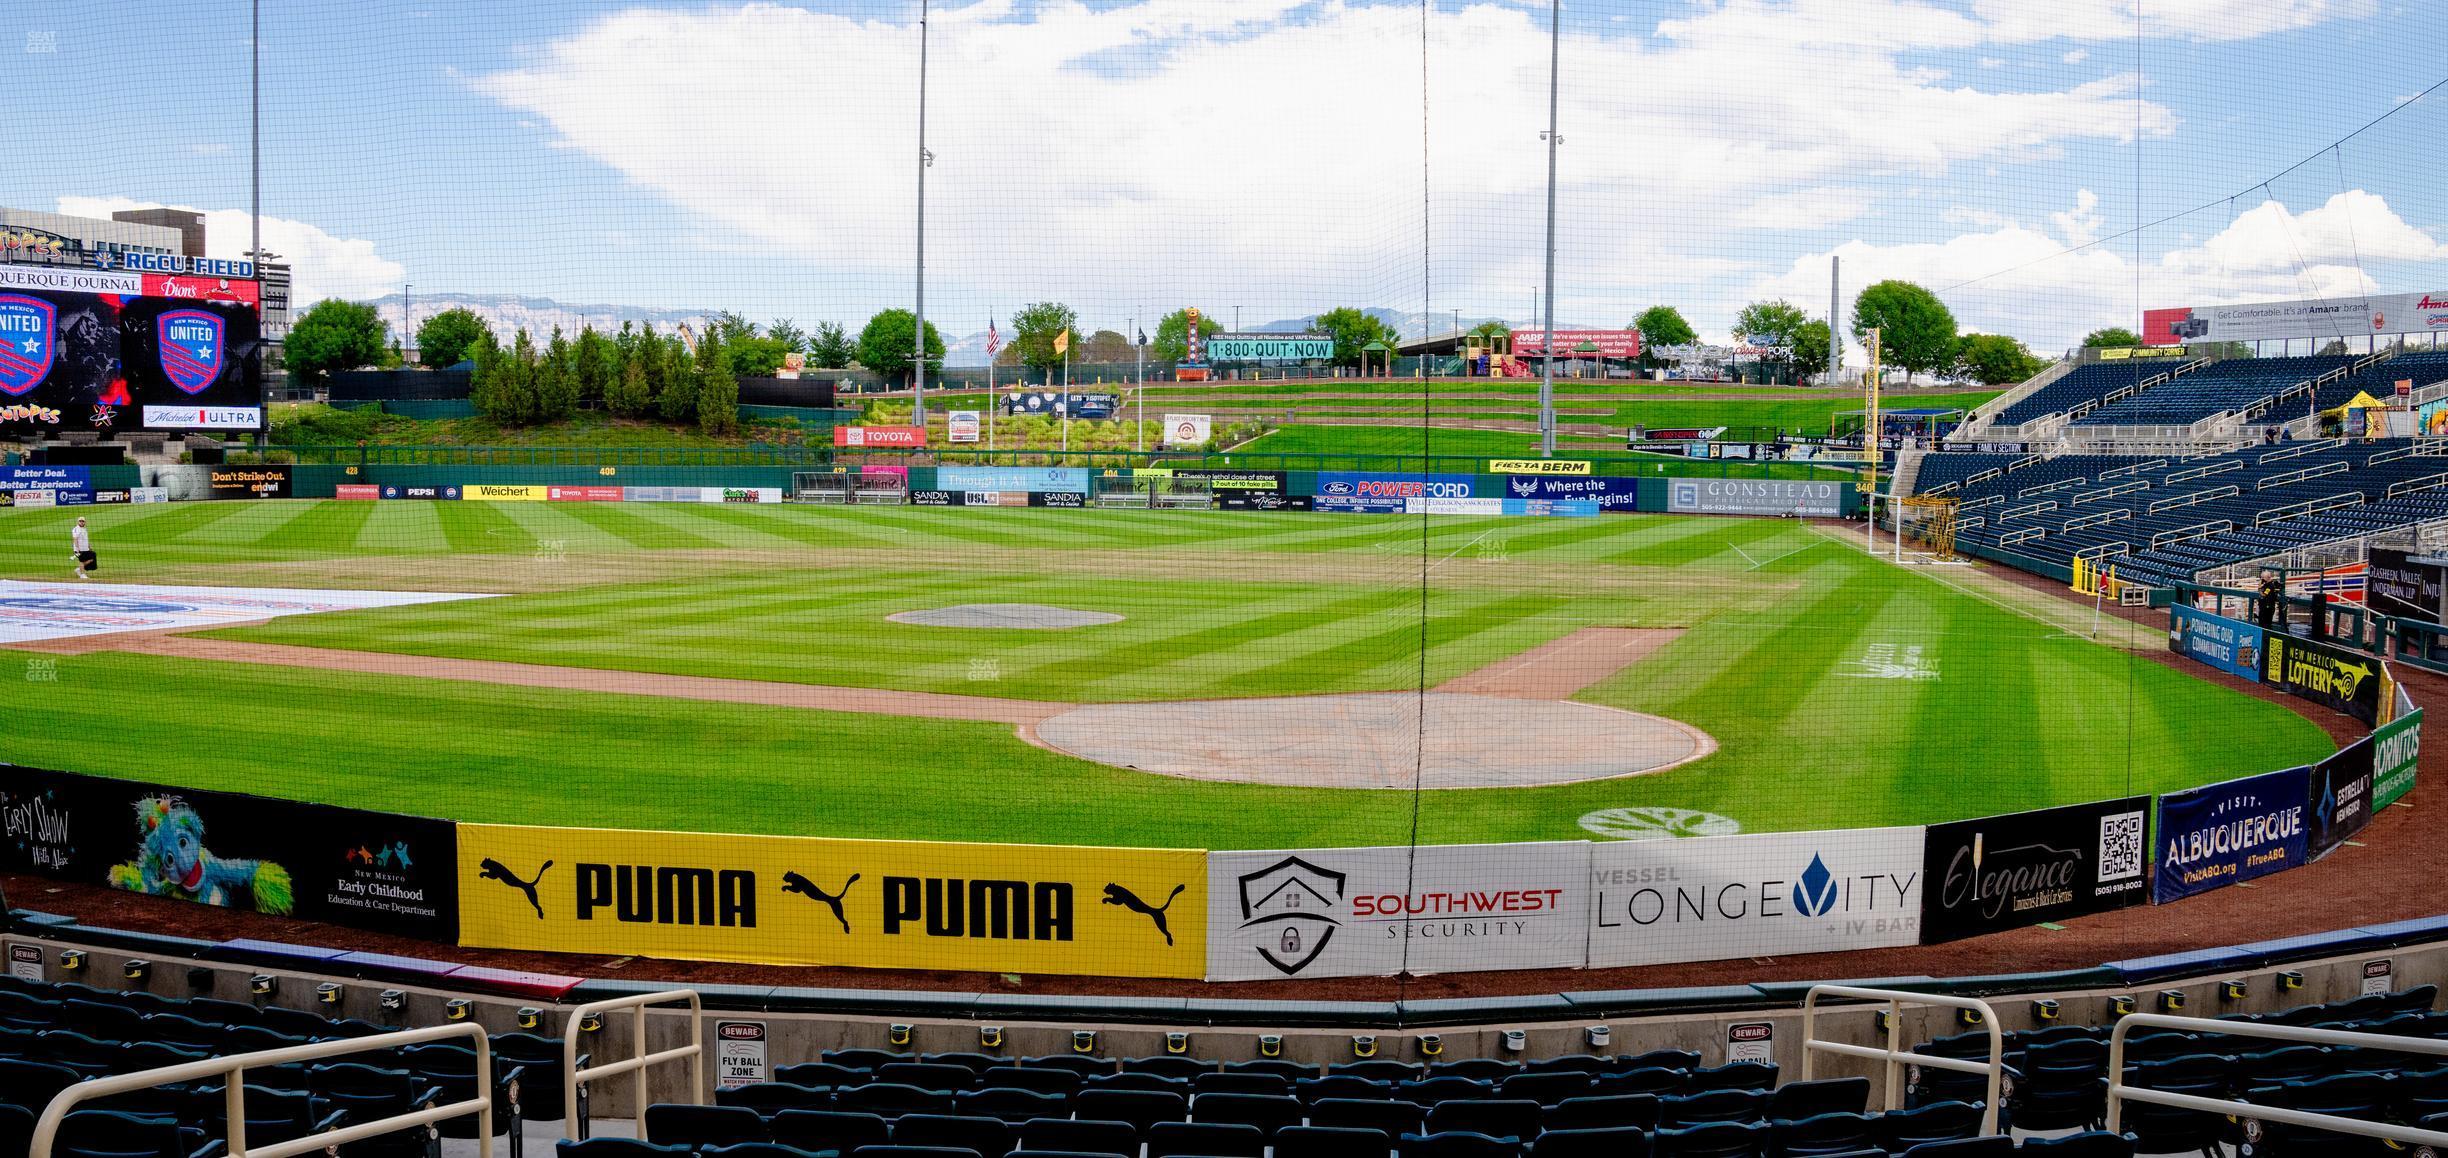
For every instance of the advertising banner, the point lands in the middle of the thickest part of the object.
(739, 494)
(1270, 347)
(1073, 479)
(1386, 493)
(1516, 507)
(584, 494)
(370, 870)
(32, 611)
(1373, 912)
(1610, 343)
(247, 482)
(2220, 834)
(1127, 912)
(2232, 646)
(879, 436)
(1188, 429)
(964, 426)
(1562, 466)
(203, 417)
(234, 290)
(2317, 318)
(36, 498)
(2408, 586)
(357, 491)
(2395, 749)
(1262, 501)
(2341, 680)
(1611, 494)
(1234, 480)
(395, 491)
(69, 279)
(1737, 496)
(937, 499)
(46, 478)
(2341, 797)
(505, 494)
(1070, 500)
(1718, 897)
(2006, 872)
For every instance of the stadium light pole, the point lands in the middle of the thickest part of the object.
(255, 135)
(1555, 60)
(918, 384)
(407, 318)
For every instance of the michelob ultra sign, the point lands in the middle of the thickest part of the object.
(1130, 912)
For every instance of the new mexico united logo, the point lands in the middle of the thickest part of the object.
(28, 335)
(191, 348)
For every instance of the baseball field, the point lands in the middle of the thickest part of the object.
(733, 668)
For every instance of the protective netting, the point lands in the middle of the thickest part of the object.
(1224, 602)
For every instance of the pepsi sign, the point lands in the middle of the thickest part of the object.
(28, 326)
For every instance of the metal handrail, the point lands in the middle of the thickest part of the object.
(46, 1131)
(1896, 999)
(2119, 1093)
(573, 1077)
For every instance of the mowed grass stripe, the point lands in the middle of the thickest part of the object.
(321, 528)
(476, 528)
(631, 525)
(1189, 657)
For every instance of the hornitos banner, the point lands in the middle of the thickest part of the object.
(2229, 645)
(2334, 677)
(2006, 872)
(1712, 898)
(1750, 496)
(1372, 912)
(1130, 912)
(2395, 748)
(2221, 834)
(1538, 466)
(2338, 317)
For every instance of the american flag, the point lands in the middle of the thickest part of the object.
(994, 341)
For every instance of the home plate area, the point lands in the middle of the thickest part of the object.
(34, 612)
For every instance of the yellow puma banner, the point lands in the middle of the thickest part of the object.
(779, 900)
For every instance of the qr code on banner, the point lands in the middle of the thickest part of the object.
(2120, 854)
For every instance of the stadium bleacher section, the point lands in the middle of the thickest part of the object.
(2421, 367)
(2163, 519)
(2233, 385)
(2085, 383)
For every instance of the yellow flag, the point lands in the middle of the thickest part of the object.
(1062, 342)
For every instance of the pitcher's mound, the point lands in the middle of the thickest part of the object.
(1036, 616)
(1373, 740)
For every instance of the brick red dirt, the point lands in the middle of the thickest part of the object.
(2391, 872)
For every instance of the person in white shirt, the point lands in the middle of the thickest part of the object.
(82, 543)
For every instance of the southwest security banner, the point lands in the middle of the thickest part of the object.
(1118, 912)
(1655, 901)
(2005, 872)
(2222, 834)
(2229, 645)
(1375, 912)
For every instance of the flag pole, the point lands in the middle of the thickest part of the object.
(1066, 397)
(990, 396)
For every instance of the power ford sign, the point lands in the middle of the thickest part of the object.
(1387, 493)
(1753, 496)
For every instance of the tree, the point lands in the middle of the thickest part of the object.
(1106, 347)
(678, 400)
(334, 335)
(1995, 359)
(1810, 346)
(556, 381)
(447, 338)
(1775, 321)
(888, 345)
(1352, 330)
(1916, 331)
(506, 391)
(1171, 342)
(2336, 346)
(831, 347)
(595, 363)
(1664, 326)
(628, 396)
(1034, 327)
(2110, 337)
(754, 356)
(1488, 332)
(788, 333)
(717, 387)
(652, 360)
(730, 326)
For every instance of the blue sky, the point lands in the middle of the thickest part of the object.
(1136, 155)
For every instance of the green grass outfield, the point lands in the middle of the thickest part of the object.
(2021, 711)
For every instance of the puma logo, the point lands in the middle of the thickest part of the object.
(493, 870)
(794, 883)
(1117, 895)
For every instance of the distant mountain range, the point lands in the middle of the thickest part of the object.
(508, 313)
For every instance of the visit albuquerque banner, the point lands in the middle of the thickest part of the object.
(2223, 834)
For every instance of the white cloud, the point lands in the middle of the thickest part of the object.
(1269, 150)
(321, 265)
(2031, 286)
(2197, 20)
(2075, 56)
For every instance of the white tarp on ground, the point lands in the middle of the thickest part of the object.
(32, 611)
(1771, 894)
(1367, 912)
